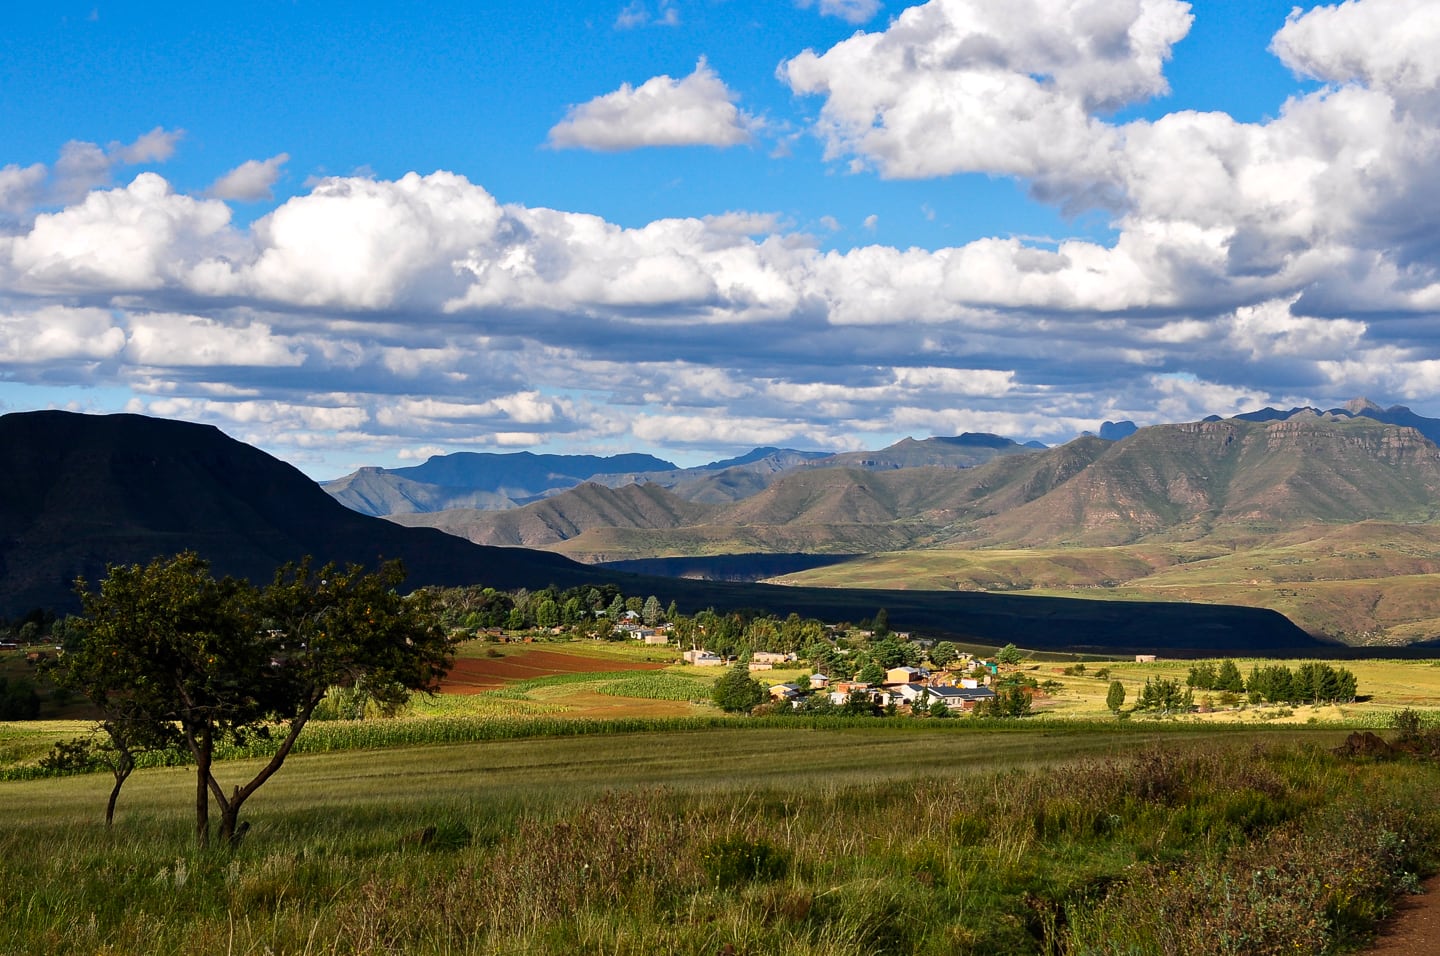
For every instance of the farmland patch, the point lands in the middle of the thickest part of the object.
(472, 675)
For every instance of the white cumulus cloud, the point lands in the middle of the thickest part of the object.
(696, 110)
(251, 181)
(1386, 44)
(970, 86)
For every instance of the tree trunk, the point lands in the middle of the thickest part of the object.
(121, 768)
(120, 777)
(230, 806)
(203, 749)
(229, 817)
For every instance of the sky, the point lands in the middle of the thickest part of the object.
(365, 233)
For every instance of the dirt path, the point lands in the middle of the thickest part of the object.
(1414, 930)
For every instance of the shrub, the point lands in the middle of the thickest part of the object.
(70, 756)
(1407, 726)
(736, 691)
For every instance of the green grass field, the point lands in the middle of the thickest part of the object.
(567, 814)
(1386, 686)
(790, 840)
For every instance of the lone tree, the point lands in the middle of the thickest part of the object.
(1115, 696)
(736, 691)
(173, 650)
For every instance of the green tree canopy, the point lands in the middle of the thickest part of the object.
(1115, 696)
(1228, 677)
(871, 673)
(1165, 695)
(166, 644)
(736, 691)
(1202, 676)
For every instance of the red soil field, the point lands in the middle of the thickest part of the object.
(471, 675)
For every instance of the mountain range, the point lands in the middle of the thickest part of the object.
(84, 492)
(492, 482)
(1329, 516)
(1231, 479)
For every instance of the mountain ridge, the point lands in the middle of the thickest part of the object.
(498, 482)
(87, 491)
(1164, 482)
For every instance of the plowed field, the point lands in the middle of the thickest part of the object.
(470, 675)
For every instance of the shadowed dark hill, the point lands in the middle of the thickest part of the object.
(84, 491)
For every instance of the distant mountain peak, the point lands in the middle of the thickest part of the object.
(976, 440)
(1114, 431)
(760, 454)
(1358, 406)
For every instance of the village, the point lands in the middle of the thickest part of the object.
(958, 687)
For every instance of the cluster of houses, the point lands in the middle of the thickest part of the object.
(629, 626)
(909, 687)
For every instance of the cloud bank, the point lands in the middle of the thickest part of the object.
(1285, 261)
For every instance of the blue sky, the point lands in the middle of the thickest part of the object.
(366, 233)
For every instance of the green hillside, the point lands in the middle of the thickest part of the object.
(1371, 583)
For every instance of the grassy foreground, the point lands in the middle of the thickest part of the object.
(851, 841)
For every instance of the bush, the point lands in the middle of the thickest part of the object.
(70, 756)
(1407, 725)
(736, 691)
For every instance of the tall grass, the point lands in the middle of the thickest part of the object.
(1212, 848)
(522, 723)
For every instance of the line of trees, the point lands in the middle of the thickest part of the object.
(1223, 677)
(1313, 682)
(1164, 695)
(478, 608)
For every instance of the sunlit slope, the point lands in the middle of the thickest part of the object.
(1366, 583)
(566, 516)
(1190, 481)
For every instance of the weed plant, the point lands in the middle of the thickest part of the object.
(1213, 848)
